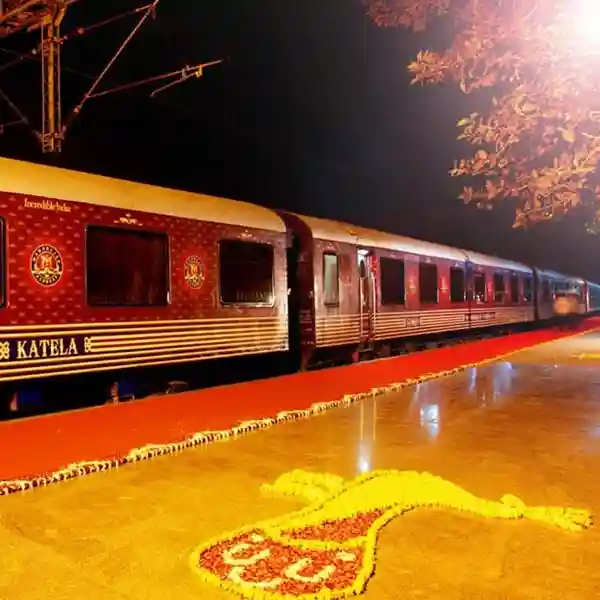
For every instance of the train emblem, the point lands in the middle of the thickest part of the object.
(46, 265)
(193, 272)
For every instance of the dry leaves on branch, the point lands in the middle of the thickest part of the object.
(539, 143)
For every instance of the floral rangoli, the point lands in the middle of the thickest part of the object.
(327, 550)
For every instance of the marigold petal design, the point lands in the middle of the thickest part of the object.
(327, 550)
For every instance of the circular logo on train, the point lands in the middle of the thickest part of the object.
(193, 272)
(46, 265)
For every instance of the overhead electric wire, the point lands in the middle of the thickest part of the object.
(27, 9)
(150, 8)
(184, 74)
(35, 53)
(35, 58)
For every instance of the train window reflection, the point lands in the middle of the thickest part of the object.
(392, 281)
(527, 289)
(245, 272)
(126, 268)
(430, 419)
(499, 287)
(546, 291)
(479, 291)
(331, 279)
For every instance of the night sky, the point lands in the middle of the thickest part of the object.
(312, 112)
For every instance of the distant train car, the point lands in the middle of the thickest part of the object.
(360, 289)
(574, 287)
(100, 274)
(500, 291)
(550, 285)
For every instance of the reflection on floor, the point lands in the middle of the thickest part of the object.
(530, 427)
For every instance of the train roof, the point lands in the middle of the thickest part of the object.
(493, 261)
(29, 179)
(557, 275)
(336, 231)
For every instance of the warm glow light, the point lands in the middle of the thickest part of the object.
(587, 22)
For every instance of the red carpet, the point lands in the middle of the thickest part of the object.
(39, 445)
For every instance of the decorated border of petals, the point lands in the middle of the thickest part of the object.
(202, 438)
(578, 521)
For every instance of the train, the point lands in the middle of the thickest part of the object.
(101, 277)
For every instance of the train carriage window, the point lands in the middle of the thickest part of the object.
(546, 291)
(331, 279)
(392, 281)
(514, 288)
(457, 284)
(246, 272)
(428, 283)
(499, 287)
(560, 288)
(126, 267)
(479, 289)
(527, 289)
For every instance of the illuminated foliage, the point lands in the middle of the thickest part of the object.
(539, 142)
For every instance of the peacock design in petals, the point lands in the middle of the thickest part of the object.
(327, 550)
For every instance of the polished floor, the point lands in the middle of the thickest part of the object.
(529, 427)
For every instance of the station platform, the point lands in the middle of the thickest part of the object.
(51, 448)
(419, 475)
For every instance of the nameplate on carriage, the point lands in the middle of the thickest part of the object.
(39, 348)
(51, 205)
(484, 316)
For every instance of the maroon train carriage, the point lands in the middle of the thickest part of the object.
(499, 291)
(357, 289)
(99, 275)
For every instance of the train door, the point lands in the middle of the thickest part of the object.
(366, 298)
(586, 297)
(294, 297)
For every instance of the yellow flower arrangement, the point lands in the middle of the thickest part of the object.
(327, 550)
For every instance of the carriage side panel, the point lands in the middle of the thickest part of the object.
(49, 327)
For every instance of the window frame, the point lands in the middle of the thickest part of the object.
(392, 259)
(546, 284)
(169, 283)
(476, 275)
(513, 275)
(245, 304)
(528, 278)
(338, 265)
(437, 283)
(503, 276)
(464, 284)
